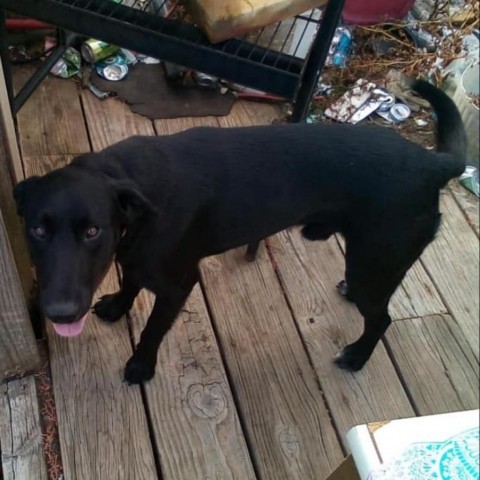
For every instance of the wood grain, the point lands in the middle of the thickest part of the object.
(51, 121)
(197, 430)
(7, 133)
(174, 125)
(468, 203)
(288, 426)
(327, 322)
(102, 423)
(194, 419)
(20, 431)
(110, 121)
(416, 296)
(452, 261)
(18, 348)
(265, 361)
(13, 225)
(248, 113)
(437, 364)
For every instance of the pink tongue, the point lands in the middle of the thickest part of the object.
(70, 329)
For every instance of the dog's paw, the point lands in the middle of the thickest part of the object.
(342, 288)
(138, 370)
(109, 308)
(351, 358)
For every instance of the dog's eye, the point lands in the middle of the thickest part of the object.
(92, 232)
(39, 232)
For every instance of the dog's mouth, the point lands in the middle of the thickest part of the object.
(70, 329)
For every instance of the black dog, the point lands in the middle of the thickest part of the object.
(161, 204)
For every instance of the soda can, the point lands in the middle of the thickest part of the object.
(113, 72)
(387, 104)
(205, 80)
(95, 50)
(112, 68)
(399, 112)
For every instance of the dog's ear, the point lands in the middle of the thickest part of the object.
(21, 191)
(131, 201)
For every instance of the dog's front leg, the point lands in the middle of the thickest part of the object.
(111, 307)
(141, 366)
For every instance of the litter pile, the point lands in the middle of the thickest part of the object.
(364, 79)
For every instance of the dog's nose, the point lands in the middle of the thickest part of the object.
(62, 312)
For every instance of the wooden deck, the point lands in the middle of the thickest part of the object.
(245, 386)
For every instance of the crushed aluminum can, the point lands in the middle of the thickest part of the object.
(387, 104)
(323, 88)
(400, 112)
(114, 73)
(397, 113)
(204, 80)
(68, 65)
(95, 50)
(112, 68)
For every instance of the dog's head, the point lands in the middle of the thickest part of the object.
(74, 219)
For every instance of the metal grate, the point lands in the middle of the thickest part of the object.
(274, 59)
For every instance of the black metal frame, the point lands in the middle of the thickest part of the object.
(178, 42)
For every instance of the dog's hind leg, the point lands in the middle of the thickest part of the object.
(169, 300)
(377, 260)
(110, 308)
(371, 283)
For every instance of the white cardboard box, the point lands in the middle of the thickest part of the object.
(436, 447)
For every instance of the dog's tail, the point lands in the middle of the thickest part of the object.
(451, 137)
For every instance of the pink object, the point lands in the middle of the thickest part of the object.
(70, 329)
(26, 24)
(365, 12)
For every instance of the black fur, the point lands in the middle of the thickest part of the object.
(163, 203)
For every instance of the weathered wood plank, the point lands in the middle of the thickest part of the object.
(18, 348)
(247, 113)
(197, 430)
(288, 426)
(436, 362)
(20, 431)
(109, 422)
(11, 172)
(189, 397)
(452, 261)
(110, 121)
(102, 424)
(52, 120)
(13, 225)
(416, 296)
(469, 204)
(174, 125)
(267, 362)
(7, 131)
(309, 272)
